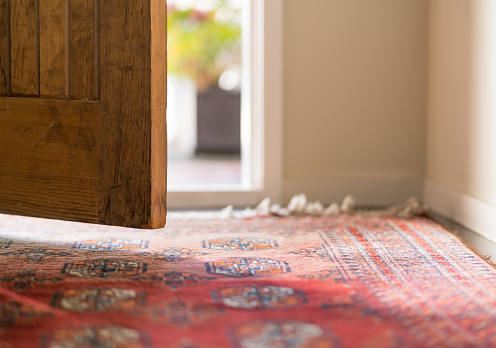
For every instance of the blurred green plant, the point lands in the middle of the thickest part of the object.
(202, 45)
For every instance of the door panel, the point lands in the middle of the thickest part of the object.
(24, 48)
(4, 48)
(83, 55)
(82, 125)
(40, 141)
(52, 48)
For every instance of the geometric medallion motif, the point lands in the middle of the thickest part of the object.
(259, 297)
(104, 268)
(318, 251)
(246, 267)
(388, 283)
(33, 255)
(242, 244)
(173, 255)
(98, 300)
(26, 279)
(288, 333)
(111, 244)
(99, 336)
(5, 243)
(176, 279)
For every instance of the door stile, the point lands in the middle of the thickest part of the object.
(132, 129)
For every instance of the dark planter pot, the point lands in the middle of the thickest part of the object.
(218, 123)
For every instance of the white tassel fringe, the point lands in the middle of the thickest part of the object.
(300, 206)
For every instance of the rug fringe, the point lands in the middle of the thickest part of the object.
(300, 206)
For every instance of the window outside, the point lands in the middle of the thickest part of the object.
(204, 94)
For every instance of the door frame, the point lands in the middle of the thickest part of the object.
(263, 104)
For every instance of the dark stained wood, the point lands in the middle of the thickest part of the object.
(4, 47)
(24, 47)
(52, 48)
(126, 115)
(101, 161)
(48, 158)
(82, 48)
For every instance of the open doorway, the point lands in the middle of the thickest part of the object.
(259, 162)
(205, 68)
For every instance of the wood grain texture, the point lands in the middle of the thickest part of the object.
(82, 48)
(159, 107)
(126, 183)
(52, 48)
(95, 161)
(24, 47)
(49, 158)
(4, 47)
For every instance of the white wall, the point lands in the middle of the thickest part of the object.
(355, 99)
(383, 95)
(461, 147)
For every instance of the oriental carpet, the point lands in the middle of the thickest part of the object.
(343, 281)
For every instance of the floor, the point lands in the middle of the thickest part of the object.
(274, 282)
(480, 244)
(203, 171)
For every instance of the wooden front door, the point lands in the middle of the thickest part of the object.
(82, 110)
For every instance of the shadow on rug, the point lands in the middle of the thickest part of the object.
(310, 282)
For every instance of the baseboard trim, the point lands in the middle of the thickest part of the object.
(373, 190)
(213, 199)
(465, 209)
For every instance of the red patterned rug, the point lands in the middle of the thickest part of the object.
(260, 282)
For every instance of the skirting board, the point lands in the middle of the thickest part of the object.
(467, 210)
(372, 191)
(213, 199)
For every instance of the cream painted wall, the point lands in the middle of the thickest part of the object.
(355, 99)
(461, 147)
